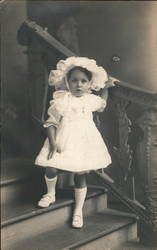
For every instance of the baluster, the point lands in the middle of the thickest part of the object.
(123, 151)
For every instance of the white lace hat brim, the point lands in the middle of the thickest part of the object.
(99, 74)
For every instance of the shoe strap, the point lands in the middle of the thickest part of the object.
(47, 196)
(77, 217)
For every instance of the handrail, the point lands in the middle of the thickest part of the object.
(43, 33)
(133, 205)
(38, 30)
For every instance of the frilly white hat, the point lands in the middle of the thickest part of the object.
(99, 75)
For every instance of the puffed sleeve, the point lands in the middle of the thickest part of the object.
(96, 103)
(55, 110)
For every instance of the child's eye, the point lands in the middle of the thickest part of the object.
(74, 80)
(84, 80)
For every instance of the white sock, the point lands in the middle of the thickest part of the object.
(80, 195)
(51, 185)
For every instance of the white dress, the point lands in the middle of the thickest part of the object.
(82, 146)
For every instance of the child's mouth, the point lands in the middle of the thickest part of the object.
(78, 92)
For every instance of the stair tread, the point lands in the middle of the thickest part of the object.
(65, 237)
(28, 208)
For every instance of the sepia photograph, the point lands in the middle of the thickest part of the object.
(78, 125)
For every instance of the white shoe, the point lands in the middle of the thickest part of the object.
(77, 221)
(46, 200)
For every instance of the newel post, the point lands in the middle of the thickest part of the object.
(147, 164)
(145, 153)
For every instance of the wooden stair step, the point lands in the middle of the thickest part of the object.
(20, 219)
(100, 228)
(21, 185)
(28, 208)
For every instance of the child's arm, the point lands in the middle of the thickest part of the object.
(104, 94)
(51, 133)
(110, 83)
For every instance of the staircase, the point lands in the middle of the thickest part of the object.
(27, 227)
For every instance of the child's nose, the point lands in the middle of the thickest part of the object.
(79, 83)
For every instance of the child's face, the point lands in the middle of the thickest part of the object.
(79, 83)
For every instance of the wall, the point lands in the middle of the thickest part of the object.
(126, 29)
(17, 127)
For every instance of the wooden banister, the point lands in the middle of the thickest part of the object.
(38, 30)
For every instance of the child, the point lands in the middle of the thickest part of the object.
(74, 144)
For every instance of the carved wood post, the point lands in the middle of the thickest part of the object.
(147, 163)
(123, 152)
(146, 153)
(38, 79)
(38, 72)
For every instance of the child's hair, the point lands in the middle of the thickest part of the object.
(84, 70)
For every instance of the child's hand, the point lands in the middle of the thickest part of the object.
(111, 82)
(53, 149)
(50, 154)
